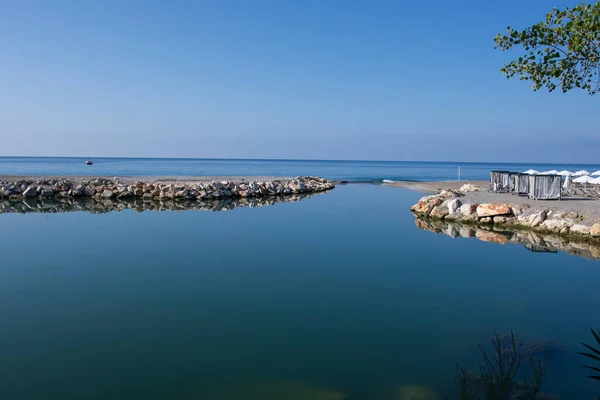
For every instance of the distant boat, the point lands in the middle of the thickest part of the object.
(88, 162)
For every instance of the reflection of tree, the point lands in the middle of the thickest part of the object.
(499, 371)
(98, 205)
(594, 354)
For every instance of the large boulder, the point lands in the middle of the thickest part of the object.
(580, 229)
(453, 206)
(439, 212)
(491, 210)
(30, 192)
(595, 230)
(556, 225)
(426, 204)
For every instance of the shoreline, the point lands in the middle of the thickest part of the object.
(573, 217)
(17, 188)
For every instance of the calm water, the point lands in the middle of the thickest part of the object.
(339, 293)
(348, 170)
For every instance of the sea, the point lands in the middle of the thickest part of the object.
(366, 171)
(336, 296)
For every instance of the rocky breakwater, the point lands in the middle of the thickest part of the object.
(455, 206)
(102, 188)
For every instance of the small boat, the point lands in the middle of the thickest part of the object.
(88, 162)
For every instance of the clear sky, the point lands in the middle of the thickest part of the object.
(315, 79)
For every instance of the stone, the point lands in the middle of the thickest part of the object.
(595, 230)
(537, 219)
(425, 207)
(30, 192)
(89, 191)
(107, 193)
(486, 220)
(47, 192)
(439, 212)
(468, 209)
(490, 236)
(556, 225)
(581, 229)
(138, 192)
(491, 210)
(503, 220)
(468, 187)
(454, 205)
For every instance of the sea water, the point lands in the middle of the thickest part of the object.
(336, 295)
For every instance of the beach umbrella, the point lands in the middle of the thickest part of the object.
(596, 173)
(595, 181)
(531, 172)
(564, 172)
(584, 179)
(582, 172)
(551, 172)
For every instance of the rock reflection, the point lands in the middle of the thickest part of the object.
(533, 241)
(99, 206)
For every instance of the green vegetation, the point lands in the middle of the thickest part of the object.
(563, 50)
(594, 355)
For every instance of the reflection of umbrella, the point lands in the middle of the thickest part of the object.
(596, 173)
(531, 172)
(582, 172)
(584, 179)
(551, 172)
(564, 172)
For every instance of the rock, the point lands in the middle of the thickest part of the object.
(427, 204)
(537, 219)
(468, 209)
(30, 192)
(47, 192)
(107, 193)
(439, 212)
(486, 220)
(503, 220)
(491, 210)
(581, 229)
(556, 225)
(89, 191)
(595, 230)
(468, 187)
(138, 192)
(489, 236)
(454, 205)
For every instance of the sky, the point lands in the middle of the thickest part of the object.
(303, 79)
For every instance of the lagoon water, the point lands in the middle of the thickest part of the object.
(342, 170)
(336, 294)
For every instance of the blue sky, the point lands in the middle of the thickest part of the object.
(311, 79)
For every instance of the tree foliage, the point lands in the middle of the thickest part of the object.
(563, 50)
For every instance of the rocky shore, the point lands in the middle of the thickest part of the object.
(17, 189)
(102, 205)
(461, 206)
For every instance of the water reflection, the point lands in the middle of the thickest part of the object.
(99, 205)
(533, 241)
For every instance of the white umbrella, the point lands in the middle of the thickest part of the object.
(531, 172)
(564, 172)
(551, 172)
(582, 172)
(584, 179)
(595, 181)
(596, 173)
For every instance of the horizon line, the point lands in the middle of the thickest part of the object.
(304, 159)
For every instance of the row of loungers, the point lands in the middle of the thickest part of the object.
(541, 187)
